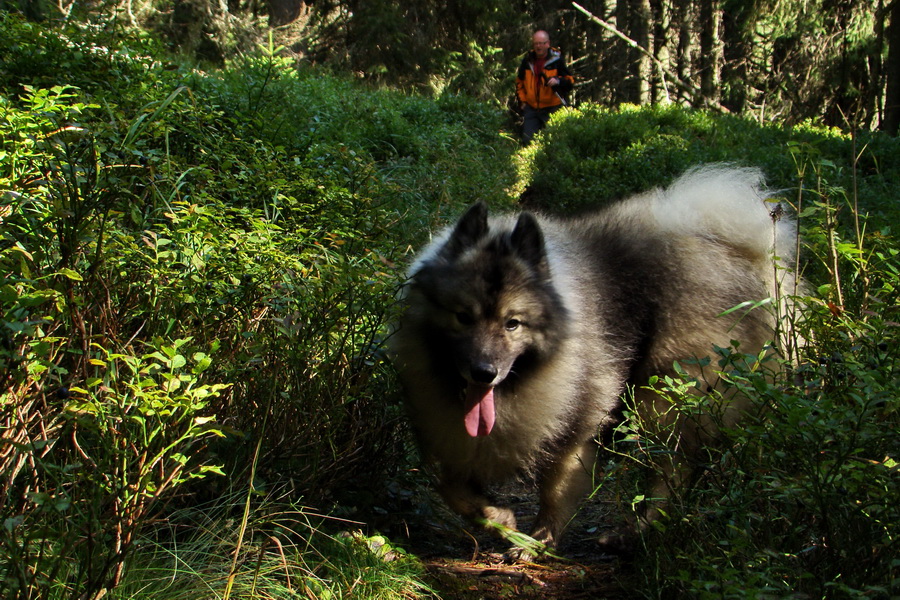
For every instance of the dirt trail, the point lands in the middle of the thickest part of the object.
(464, 563)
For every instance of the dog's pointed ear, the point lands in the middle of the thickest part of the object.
(470, 228)
(528, 241)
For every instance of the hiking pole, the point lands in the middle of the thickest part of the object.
(553, 87)
(561, 99)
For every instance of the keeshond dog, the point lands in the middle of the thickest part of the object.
(522, 333)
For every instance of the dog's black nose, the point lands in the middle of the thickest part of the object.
(484, 373)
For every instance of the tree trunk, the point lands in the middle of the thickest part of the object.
(843, 104)
(891, 121)
(873, 93)
(737, 30)
(685, 46)
(628, 91)
(710, 50)
(640, 26)
(662, 21)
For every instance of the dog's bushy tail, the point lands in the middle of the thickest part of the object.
(732, 205)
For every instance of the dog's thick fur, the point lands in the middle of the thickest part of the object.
(521, 333)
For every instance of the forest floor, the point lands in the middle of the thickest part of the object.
(465, 563)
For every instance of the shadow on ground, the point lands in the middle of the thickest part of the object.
(464, 563)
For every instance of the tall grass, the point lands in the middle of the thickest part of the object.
(287, 552)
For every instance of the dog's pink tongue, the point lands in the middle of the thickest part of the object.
(479, 410)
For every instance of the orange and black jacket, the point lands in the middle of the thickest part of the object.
(533, 90)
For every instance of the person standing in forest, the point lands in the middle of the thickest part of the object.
(542, 82)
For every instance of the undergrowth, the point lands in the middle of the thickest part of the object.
(595, 155)
(188, 294)
(285, 553)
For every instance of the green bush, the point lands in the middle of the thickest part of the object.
(800, 501)
(590, 156)
(97, 431)
(404, 147)
(198, 272)
(125, 235)
(75, 54)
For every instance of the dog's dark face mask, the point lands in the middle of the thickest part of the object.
(492, 304)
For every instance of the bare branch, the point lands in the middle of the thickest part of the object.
(664, 72)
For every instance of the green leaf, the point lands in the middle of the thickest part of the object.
(202, 362)
(8, 293)
(38, 297)
(212, 469)
(36, 368)
(136, 127)
(73, 275)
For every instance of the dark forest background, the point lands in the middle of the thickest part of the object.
(837, 61)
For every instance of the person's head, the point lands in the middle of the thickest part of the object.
(540, 41)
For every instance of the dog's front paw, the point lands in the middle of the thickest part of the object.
(529, 548)
(496, 515)
(545, 536)
(520, 554)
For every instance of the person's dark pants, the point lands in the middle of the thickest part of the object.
(535, 119)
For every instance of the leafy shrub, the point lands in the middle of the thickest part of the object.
(126, 235)
(75, 54)
(417, 143)
(97, 431)
(594, 155)
(800, 501)
(184, 257)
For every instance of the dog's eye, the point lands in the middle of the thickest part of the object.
(512, 324)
